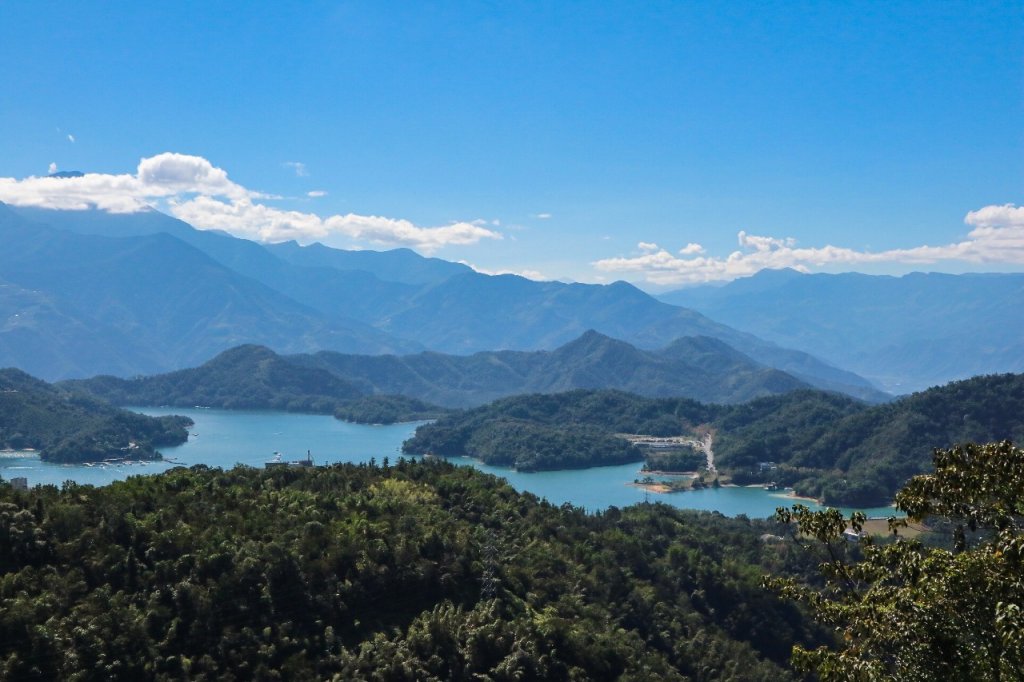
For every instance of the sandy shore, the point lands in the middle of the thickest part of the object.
(793, 496)
(653, 487)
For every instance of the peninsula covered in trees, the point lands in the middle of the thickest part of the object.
(65, 426)
(823, 444)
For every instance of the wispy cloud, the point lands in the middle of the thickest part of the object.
(193, 189)
(997, 236)
(71, 138)
(298, 167)
(53, 168)
(316, 193)
(542, 216)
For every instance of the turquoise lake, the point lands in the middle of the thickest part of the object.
(223, 438)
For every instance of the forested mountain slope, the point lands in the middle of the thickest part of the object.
(858, 455)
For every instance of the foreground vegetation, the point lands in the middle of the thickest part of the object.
(416, 571)
(911, 611)
(825, 445)
(70, 427)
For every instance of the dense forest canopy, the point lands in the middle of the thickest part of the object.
(72, 427)
(413, 571)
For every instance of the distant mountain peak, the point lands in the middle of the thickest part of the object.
(593, 334)
(246, 351)
(592, 342)
(66, 174)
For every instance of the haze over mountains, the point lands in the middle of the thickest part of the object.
(88, 292)
(158, 295)
(75, 304)
(904, 333)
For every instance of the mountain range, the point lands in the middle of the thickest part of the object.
(903, 333)
(76, 304)
(88, 292)
(255, 377)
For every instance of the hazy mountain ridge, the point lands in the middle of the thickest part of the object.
(712, 371)
(906, 333)
(256, 377)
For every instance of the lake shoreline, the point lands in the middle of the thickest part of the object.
(250, 437)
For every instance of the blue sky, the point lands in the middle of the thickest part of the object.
(587, 141)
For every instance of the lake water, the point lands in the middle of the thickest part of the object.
(223, 438)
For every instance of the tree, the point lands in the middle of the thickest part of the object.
(907, 611)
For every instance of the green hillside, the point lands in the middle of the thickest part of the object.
(833, 448)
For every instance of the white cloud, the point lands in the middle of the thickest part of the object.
(1006, 215)
(997, 237)
(171, 174)
(542, 216)
(316, 193)
(647, 246)
(53, 168)
(253, 220)
(298, 167)
(535, 275)
(193, 189)
(71, 138)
